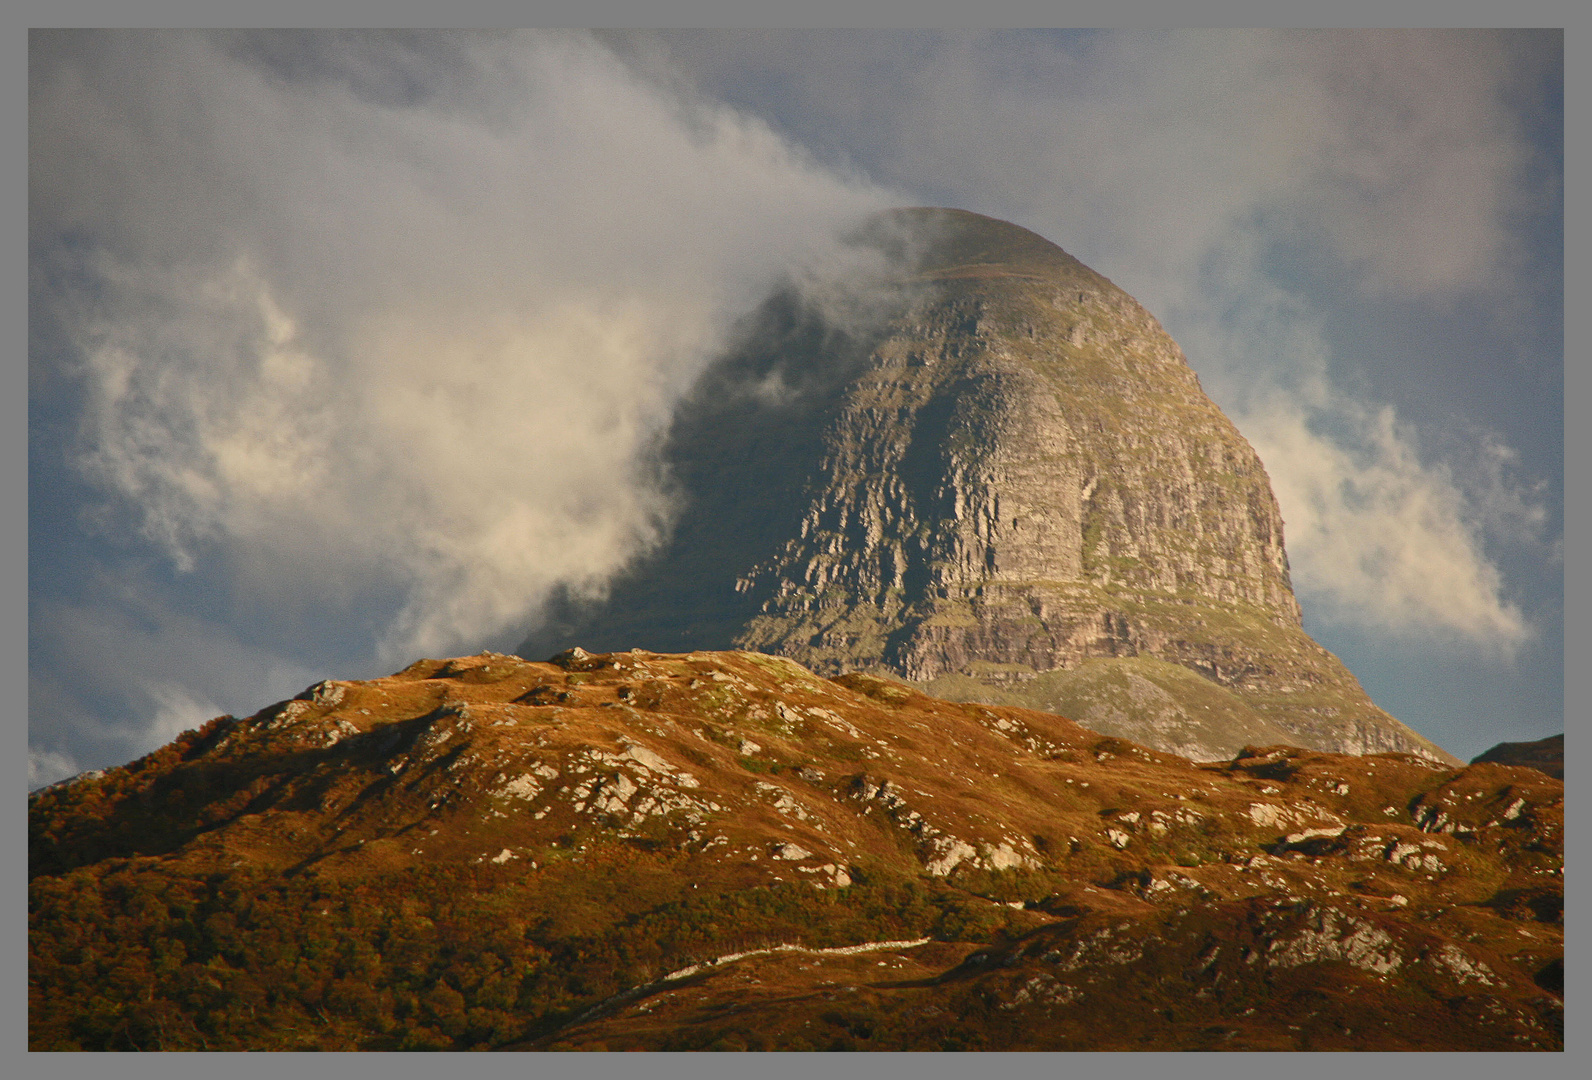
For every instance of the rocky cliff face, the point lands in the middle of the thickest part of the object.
(1013, 472)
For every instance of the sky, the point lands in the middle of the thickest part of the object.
(351, 348)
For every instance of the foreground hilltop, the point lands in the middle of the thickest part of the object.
(1004, 476)
(724, 850)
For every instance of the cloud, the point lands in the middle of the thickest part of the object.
(1398, 150)
(384, 314)
(1415, 175)
(177, 710)
(46, 767)
(115, 677)
(1380, 538)
(1382, 533)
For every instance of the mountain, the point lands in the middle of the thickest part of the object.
(723, 850)
(1001, 470)
(1544, 754)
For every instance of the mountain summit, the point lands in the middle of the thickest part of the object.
(1006, 485)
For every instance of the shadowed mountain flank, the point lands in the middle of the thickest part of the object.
(1009, 470)
(1546, 755)
(739, 457)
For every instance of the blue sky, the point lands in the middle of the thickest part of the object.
(349, 348)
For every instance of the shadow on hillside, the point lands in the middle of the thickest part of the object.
(738, 460)
(126, 816)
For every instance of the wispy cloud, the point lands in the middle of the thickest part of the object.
(177, 709)
(354, 332)
(47, 766)
(128, 672)
(1384, 532)
(1381, 537)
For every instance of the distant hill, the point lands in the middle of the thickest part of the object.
(1545, 754)
(723, 850)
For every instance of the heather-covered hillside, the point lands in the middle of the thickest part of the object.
(723, 850)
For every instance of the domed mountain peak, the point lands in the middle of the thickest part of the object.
(945, 242)
(1010, 475)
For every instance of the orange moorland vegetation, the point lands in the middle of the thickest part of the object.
(725, 851)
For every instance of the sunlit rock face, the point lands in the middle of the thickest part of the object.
(1008, 469)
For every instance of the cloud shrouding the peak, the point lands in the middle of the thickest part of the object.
(1397, 149)
(1179, 164)
(349, 335)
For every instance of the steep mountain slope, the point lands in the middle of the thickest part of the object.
(1150, 701)
(723, 850)
(1010, 470)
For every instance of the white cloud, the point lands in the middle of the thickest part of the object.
(1377, 536)
(177, 709)
(47, 766)
(1382, 534)
(117, 677)
(353, 341)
